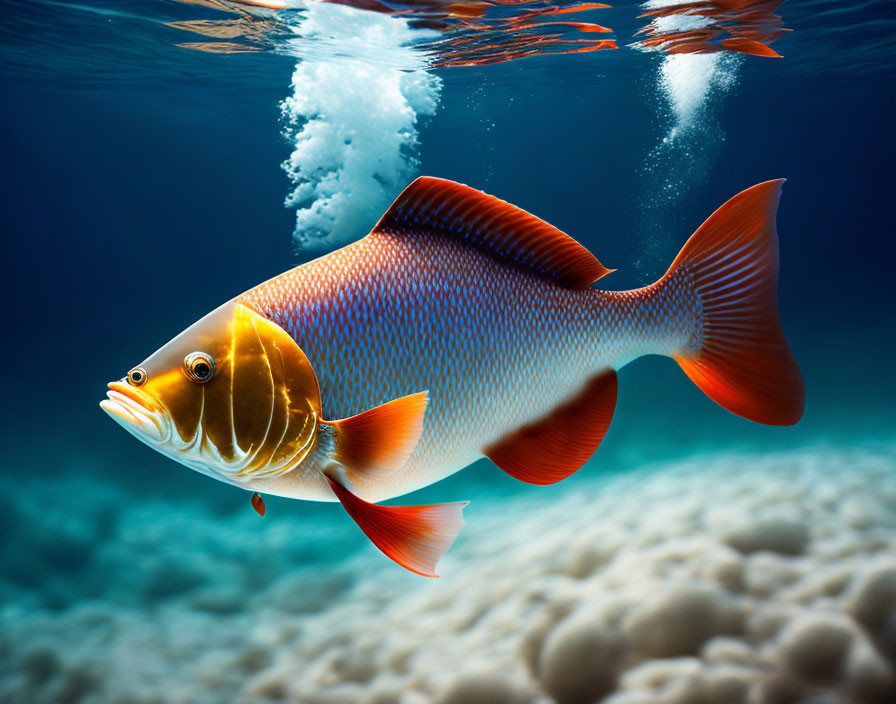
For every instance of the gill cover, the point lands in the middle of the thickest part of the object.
(257, 416)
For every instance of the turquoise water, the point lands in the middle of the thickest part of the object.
(160, 157)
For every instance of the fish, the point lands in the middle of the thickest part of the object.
(460, 327)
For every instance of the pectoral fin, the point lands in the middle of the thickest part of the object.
(378, 442)
(415, 537)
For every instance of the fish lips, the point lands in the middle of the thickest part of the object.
(135, 412)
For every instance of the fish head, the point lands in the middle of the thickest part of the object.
(233, 397)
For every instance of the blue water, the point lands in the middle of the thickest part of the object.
(142, 185)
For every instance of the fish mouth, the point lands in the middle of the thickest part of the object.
(135, 412)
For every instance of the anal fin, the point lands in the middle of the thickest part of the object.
(415, 537)
(556, 446)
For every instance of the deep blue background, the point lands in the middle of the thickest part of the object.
(128, 210)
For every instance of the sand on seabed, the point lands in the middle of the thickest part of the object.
(726, 579)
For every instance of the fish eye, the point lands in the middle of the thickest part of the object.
(136, 376)
(199, 367)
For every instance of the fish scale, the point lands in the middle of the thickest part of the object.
(496, 346)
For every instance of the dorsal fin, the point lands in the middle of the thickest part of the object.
(494, 227)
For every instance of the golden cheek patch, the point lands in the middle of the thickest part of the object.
(274, 395)
(256, 416)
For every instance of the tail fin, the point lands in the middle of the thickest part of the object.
(740, 358)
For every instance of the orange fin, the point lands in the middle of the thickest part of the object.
(558, 445)
(749, 46)
(498, 229)
(463, 9)
(258, 504)
(740, 359)
(377, 442)
(415, 537)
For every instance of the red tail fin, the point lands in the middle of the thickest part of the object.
(740, 358)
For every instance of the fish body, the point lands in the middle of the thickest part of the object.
(460, 327)
(496, 346)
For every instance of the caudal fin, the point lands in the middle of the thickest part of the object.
(739, 357)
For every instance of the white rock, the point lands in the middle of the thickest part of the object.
(726, 568)
(731, 651)
(579, 661)
(593, 555)
(484, 688)
(814, 645)
(872, 598)
(679, 620)
(769, 617)
(773, 533)
(658, 674)
(766, 574)
(673, 681)
(727, 684)
(777, 688)
(821, 582)
(869, 678)
(536, 633)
